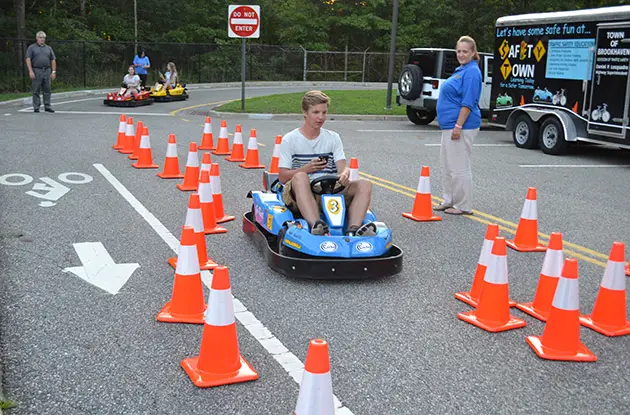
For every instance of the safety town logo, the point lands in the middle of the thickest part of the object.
(521, 51)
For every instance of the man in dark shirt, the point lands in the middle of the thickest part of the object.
(40, 59)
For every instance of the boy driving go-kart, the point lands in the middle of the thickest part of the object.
(310, 152)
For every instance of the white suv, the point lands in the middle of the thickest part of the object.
(420, 80)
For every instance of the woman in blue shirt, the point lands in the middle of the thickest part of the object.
(141, 63)
(459, 117)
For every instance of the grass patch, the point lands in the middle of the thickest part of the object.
(366, 102)
(4, 404)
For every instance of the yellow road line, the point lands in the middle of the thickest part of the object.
(207, 104)
(377, 181)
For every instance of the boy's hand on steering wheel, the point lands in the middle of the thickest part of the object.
(344, 178)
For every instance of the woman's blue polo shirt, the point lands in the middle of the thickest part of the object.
(462, 89)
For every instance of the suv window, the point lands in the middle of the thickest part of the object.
(424, 59)
(450, 64)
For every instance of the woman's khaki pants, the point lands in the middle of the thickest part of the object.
(455, 160)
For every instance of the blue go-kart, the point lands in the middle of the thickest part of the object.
(542, 95)
(292, 250)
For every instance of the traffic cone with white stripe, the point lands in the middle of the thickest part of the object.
(472, 297)
(251, 160)
(548, 281)
(561, 337)
(207, 140)
(526, 238)
(628, 269)
(122, 126)
(145, 157)
(219, 361)
(130, 134)
(275, 158)
(238, 153)
(194, 218)
(171, 163)
(207, 205)
(186, 304)
(493, 311)
(206, 163)
(354, 169)
(609, 312)
(223, 146)
(217, 196)
(191, 174)
(422, 208)
(316, 395)
(136, 141)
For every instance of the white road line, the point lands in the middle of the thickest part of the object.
(401, 131)
(289, 362)
(474, 145)
(141, 114)
(574, 166)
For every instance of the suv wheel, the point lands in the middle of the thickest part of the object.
(525, 134)
(410, 82)
(420, 117)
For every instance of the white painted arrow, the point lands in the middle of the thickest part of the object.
(99, 268)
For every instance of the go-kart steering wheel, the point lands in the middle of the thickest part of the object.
(326, 185)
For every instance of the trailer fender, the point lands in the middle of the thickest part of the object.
(539, 115)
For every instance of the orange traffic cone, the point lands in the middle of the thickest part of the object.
(206, 163)
(275, 158)
(136, 141)
(354, 169)
(194, 218)
(186, 304)
(171, 163)
(548, 281)
(130, 134)
(575, 107)
(316, 395)
(472, 297)
(223, 146)
(122, 126)
(609, 312)
(191, 174)
(526, 238)
(217, 197)
(207, 140)
(493, 311)
(237, 146)
(219, 361)
(522, 101)
(422, 208)
(251, 160)
(207, 205)
(628, 269)
(145, 157)
(561, 337)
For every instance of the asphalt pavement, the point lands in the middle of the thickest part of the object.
(397, 347)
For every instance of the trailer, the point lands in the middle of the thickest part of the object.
(562, 77)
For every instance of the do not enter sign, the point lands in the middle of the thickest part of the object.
(244, 21)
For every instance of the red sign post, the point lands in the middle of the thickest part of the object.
(243, 22)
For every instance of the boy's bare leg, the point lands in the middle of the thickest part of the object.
(301, 185)
(361, 192)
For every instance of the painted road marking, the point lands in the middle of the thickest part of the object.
(474, 145)
(30, 109)
(99, 268)
(573, 166)
(289, 362)
(410, 192)
(139, 114)
(52, 189)
(401, 131)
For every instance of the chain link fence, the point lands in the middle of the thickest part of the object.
(94, 64)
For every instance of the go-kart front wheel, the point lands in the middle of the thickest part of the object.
(282, 248)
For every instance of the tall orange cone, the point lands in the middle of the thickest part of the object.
(609, 312)
(561, 337)
(136, 141)
(354, 169)
(422, 208)
(237, 146)
(206, 163)
(522, 101)
(207, 205)
(219, 361)
(275, 158)
(130, 135)
(191, 174)
(316, 394)
(251, 160)
(526, 238)
(194, 218)
(548, 281)
(628, 269)
(145, 157)
(186, 304)
(217, 196)
(575, 107)
(472, 297)
(207, 140)
(171, 163)
(493, 311)
(223, 146)
(122, 126)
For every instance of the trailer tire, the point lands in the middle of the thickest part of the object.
(551, 138)
(525, 133)
(420, 117)
(410, 82)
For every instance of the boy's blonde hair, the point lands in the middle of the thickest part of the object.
(314, 98)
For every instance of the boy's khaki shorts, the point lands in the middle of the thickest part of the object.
(289, 198)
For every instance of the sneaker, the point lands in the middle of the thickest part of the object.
(368, 229)
(319, 228)
(49, 110)
(36, 110)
